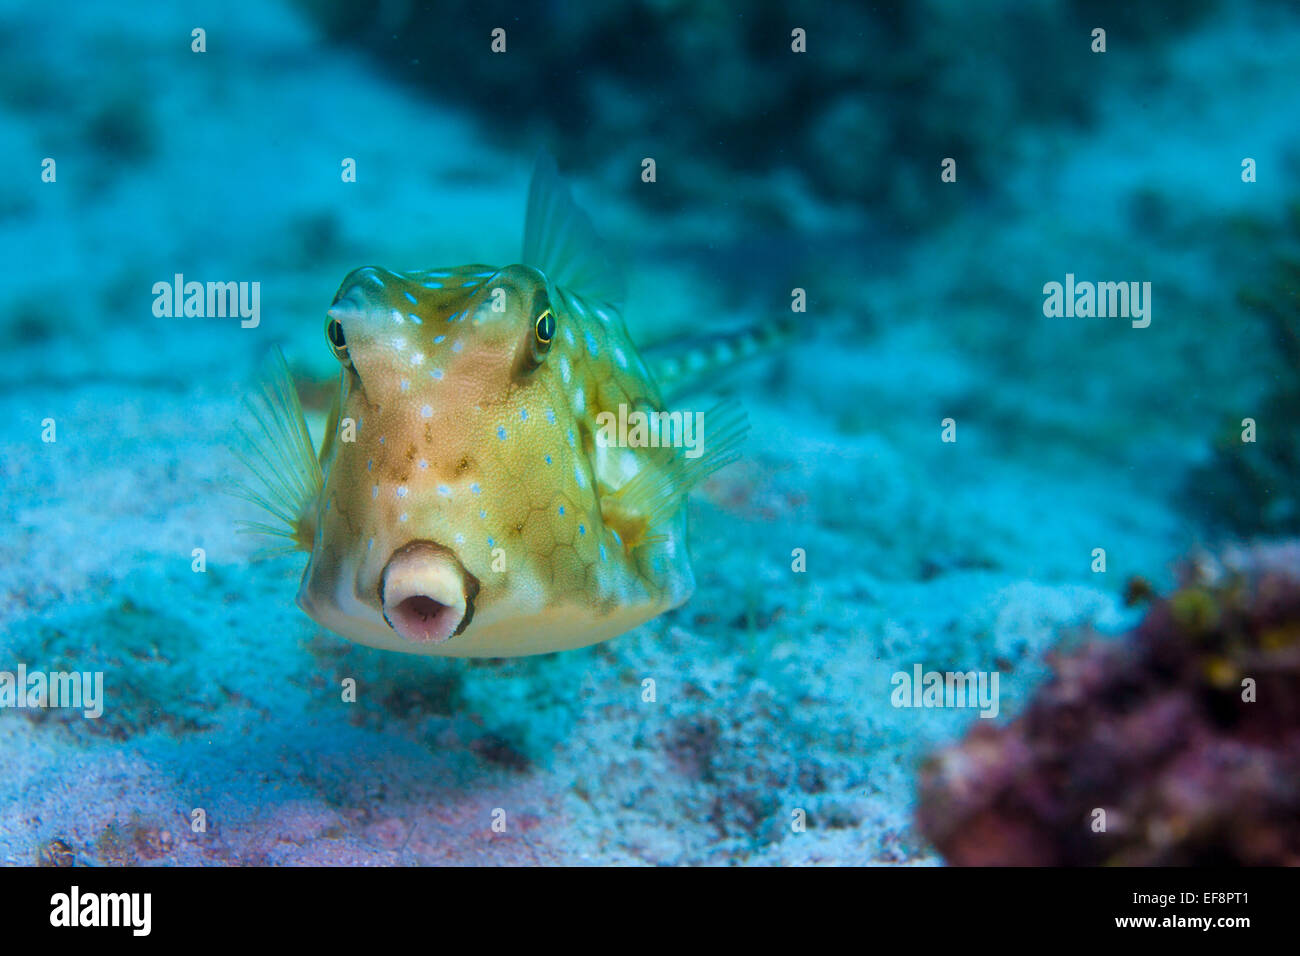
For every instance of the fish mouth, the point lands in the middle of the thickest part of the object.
(426, 593)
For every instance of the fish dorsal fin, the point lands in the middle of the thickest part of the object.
(688, 366)
(560, 240)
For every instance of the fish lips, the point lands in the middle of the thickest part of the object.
(426, 593)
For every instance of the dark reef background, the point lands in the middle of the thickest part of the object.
(776, 170)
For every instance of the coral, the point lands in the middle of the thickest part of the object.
(1187, 735)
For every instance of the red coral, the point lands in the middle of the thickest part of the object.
(1156, 730)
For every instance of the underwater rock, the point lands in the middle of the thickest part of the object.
(867, 97)
(1248, 486)
(1176, 746)
(58, 852)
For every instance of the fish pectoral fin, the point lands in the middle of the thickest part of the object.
(331, 429)
(278, 455)
(655, 493)
(560, 240)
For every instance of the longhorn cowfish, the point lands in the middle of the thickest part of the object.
(464, 501)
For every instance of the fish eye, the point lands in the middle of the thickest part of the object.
(544, 327)
(535, 347)
(338, 343)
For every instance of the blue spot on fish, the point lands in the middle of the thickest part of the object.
(501, 432)
(475, 488)
(415, 318)
(410, 298)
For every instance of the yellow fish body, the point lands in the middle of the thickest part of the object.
(466, 500)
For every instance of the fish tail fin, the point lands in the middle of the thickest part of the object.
(656, 493)
(279, 458)
(681, 368)
(560, 240)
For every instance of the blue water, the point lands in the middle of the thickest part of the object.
(933, 464)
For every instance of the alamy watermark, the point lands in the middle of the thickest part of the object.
(74, 690)
(212, 300)
(922, 688)
(74, 908)
(1105, 300)
(638, 429)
